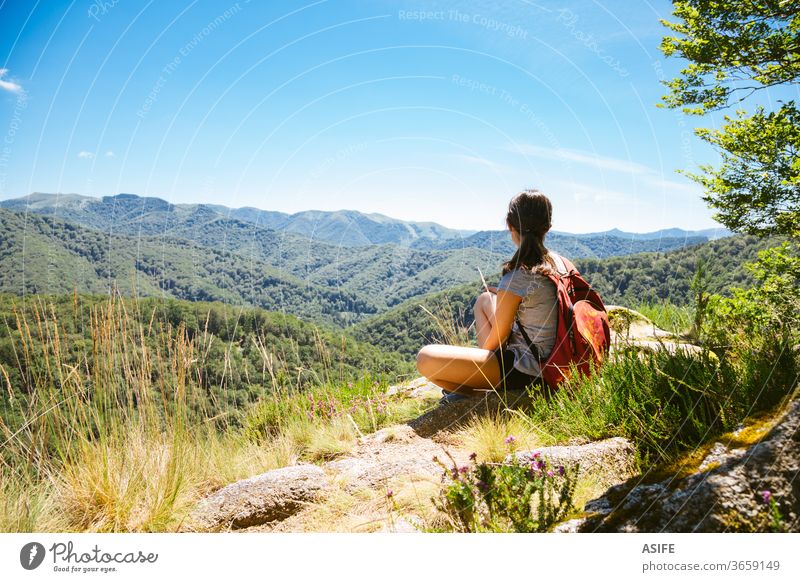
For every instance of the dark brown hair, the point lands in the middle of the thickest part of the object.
(530, 213)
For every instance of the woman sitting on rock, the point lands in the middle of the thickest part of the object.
(503, 360)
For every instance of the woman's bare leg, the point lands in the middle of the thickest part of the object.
(457, 368)
(459, 388)
(484, 310)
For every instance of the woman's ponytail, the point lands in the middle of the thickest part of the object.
(530, 213)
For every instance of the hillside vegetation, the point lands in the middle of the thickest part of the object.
(659, 277)
(192, 252)
(45, 255)
(117, 415)
(244, 353)
(357, 280)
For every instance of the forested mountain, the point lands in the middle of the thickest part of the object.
(194, 252)
(385, 274)
(653, 277)
(44, 255)
(438, 317)
(345, 227)
(126, 211)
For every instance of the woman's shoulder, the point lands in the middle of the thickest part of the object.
(522, 281)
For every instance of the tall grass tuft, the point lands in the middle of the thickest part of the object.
(673, 318)
(115, 420)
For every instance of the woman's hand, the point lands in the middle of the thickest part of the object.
(492, 290)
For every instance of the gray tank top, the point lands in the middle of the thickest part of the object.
(538, 314)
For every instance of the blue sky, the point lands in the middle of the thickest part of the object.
(430, 111)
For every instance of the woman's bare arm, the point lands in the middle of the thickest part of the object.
(504, 315)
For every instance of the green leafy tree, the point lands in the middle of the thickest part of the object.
(736, 48)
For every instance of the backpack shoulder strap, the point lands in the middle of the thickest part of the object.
(562, 264)
(531, 346)
(565, 266)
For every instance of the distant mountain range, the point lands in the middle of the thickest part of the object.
(343, 227)
(40, 254)
(56, 243)
(130, 213)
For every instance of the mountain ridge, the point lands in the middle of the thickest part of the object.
(352, 227)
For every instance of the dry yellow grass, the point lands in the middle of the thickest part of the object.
(485, 435)
(124, 437)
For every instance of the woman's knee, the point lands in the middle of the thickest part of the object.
(425, 358)
(431, 359)
(484, 300)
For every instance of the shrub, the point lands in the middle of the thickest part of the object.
(518, 495)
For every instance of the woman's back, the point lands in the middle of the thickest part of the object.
(538, 314)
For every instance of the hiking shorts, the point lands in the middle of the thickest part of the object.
(513, 379)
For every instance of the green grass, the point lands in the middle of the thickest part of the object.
(673, 318)
(667, 404)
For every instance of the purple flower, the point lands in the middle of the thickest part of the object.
(561, 470)
(541, 464)
(510, 439)
(389, 494)
(549, 473)
(766, 495)
(537, 454)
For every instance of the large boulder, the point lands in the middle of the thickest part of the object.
(632, 330)
(733, 490)
(607, 462)
(269, 497)
(383, 456)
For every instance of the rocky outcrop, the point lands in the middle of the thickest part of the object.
(726, 493)
(382, 456)
(632, 330)
(450, 416)
(607, 462)
(271, 496)
(733, 490)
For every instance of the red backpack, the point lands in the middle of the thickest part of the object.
(583, 336)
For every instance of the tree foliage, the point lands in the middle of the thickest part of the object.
(736, 48)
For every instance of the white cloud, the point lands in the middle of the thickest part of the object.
(583, 193)
(647, 177)
(475, 160)
(579, 157)
(8, 85)
(663, 184)
(86, 155)
(110, 154)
